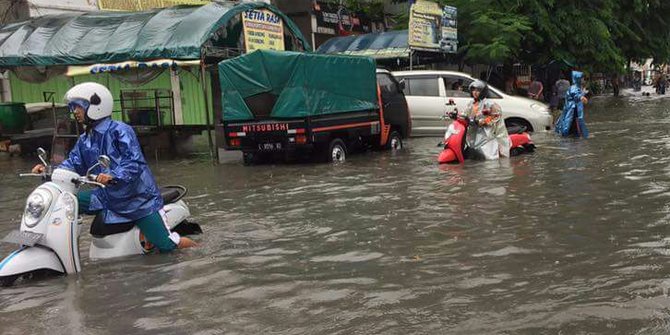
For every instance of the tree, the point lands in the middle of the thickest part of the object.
(595, 35)
(488, 34)
(644, 32)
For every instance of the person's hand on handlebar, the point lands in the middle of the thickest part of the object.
(453, 114)
(39, 168)
(104, 179)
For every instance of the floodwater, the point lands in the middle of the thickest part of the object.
(573, 239)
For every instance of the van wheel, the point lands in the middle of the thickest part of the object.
(337, 151)
(518, 123)
(394, 141)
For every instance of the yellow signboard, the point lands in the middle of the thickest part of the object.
(263, 29)
(140, 5)
(425, 25)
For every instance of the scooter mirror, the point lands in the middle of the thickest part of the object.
(42, 155)
(104, 161)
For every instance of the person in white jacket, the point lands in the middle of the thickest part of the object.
(487, 135)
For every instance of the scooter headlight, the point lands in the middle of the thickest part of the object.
(36, 207)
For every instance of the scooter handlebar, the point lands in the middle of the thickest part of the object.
(91, 179)
(32, 175)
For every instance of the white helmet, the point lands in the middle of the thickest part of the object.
(96, 100)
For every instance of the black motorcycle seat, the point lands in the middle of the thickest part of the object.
(100, 229)
(170, 195)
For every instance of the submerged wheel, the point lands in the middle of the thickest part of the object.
(394, 141)
(248, 158)
(516, 151)
(337, 151)
(7, 281)
(517, 123)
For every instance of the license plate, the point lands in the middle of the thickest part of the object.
(269, 146)
(23, 238)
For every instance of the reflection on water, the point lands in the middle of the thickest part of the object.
(571, 239)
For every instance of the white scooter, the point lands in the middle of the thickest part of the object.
(49, 233)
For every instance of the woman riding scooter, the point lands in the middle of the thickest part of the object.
(131, 194)
(486, 136)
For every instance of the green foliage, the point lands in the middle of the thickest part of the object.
(493, 36)
(595, 35)
(374, 9)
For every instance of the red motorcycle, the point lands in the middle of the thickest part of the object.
(455, 146)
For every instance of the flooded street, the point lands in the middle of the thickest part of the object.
(572, 239)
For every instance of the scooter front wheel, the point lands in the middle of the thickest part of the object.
(7, 281)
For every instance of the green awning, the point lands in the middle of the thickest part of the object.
(106, 37)
(304, 84)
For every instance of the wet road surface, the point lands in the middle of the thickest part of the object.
(573, 239)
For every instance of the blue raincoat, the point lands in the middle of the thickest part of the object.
(135, 195)
(573, 111)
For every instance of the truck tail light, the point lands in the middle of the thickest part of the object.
(301, 139)
(235, 142)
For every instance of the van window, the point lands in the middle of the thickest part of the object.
(422, 87)
(456, 87)
(493, 95)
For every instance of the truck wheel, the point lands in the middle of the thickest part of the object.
(337, 151)
(394, 141)
(248, 158)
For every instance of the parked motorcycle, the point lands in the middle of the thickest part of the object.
(50, 226)
(456, 149)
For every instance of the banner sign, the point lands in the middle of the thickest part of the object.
(334, 19)
(115, 67)
(263, 29)
(449, 41)
(432, 28)
(140, 5)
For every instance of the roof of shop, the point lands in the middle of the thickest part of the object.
(102, 37)
(390, 44)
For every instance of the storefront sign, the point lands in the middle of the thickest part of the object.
(334, 19)
(140, 5)
(432, 28)
(449, 41)
(263, 29)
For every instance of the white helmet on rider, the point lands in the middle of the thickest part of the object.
(480, 86)
(95, 99)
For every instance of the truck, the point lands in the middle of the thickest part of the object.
(280, 104)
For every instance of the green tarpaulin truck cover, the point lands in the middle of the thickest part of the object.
(305, 84)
